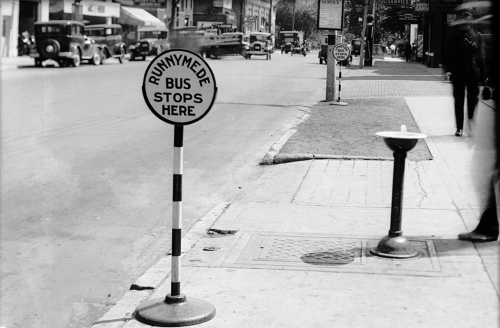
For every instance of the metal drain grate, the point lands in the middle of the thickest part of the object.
(318, 252)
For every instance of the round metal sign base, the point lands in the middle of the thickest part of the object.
(339, 103)
(397, 247)
(175, 311)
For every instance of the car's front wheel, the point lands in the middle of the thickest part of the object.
(96, 57)
(76, 60)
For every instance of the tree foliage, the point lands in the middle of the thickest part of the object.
(305, 17)
(387, 25)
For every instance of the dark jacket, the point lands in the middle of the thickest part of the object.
(465, 55)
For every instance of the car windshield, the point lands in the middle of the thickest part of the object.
(45, 29)
(254, 38)
(154, 34)
(95, 32)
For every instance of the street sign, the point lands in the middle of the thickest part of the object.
(330, 14)
(341, 52)
(179, 87)
(421, 6)
(398, 2)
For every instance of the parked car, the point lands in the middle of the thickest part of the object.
(109, 39)
(260, 45)
(153, 40)
(64, 41)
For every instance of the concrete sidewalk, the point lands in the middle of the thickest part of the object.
(294, 250)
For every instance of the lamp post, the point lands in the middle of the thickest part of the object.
(369, 40)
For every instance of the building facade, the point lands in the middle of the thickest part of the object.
(17, 17)
(215, 16)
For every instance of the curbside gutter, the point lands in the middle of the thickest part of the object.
(143, 287)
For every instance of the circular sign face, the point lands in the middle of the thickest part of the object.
(341, 51)
(179, 87)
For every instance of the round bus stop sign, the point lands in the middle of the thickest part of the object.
(341, 52)
(179, 87)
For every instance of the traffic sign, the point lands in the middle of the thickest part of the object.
(341, 51)
(179, 87)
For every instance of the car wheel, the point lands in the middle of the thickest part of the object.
(50, 48)
(62, 63)
(143, 58)
(96, 57)
(76, 59)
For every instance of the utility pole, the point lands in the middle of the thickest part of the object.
(362, 50)
(77, 12)
(271, 17)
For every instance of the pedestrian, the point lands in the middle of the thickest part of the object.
(488, 226)
(413, 52)
(407, 52)
(465, 64)
(393, 50)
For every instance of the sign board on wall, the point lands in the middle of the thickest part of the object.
(398, 2)
(150, 3)
(330, 14)
(228, 4)
(95, 8)
(421, 6)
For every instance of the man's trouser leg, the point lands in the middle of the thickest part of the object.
(459, 97)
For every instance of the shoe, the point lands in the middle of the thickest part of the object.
(459, 133)
(477, 237)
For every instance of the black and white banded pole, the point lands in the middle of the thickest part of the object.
(340, 80)
(340, 52)
(188, 77)
(175, 284)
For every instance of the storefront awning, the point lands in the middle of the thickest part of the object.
(138, 16)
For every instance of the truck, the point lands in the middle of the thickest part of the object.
(287, 38)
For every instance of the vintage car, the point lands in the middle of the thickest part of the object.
(153, 41)
(260, 45)
(288, 38)
(216, 46)
(64, 41)
(108, 37)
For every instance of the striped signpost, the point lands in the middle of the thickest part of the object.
(340, 52)
(179, 88)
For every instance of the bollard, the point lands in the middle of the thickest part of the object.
(395, 245)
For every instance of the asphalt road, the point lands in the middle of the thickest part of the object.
(86, 174)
